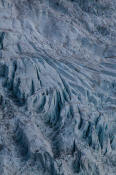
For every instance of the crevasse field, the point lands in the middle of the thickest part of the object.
(57, 87)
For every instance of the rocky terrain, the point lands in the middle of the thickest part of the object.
(57, 87)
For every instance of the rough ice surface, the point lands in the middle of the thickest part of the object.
(57, 87)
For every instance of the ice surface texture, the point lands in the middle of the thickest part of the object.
(57, 87)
